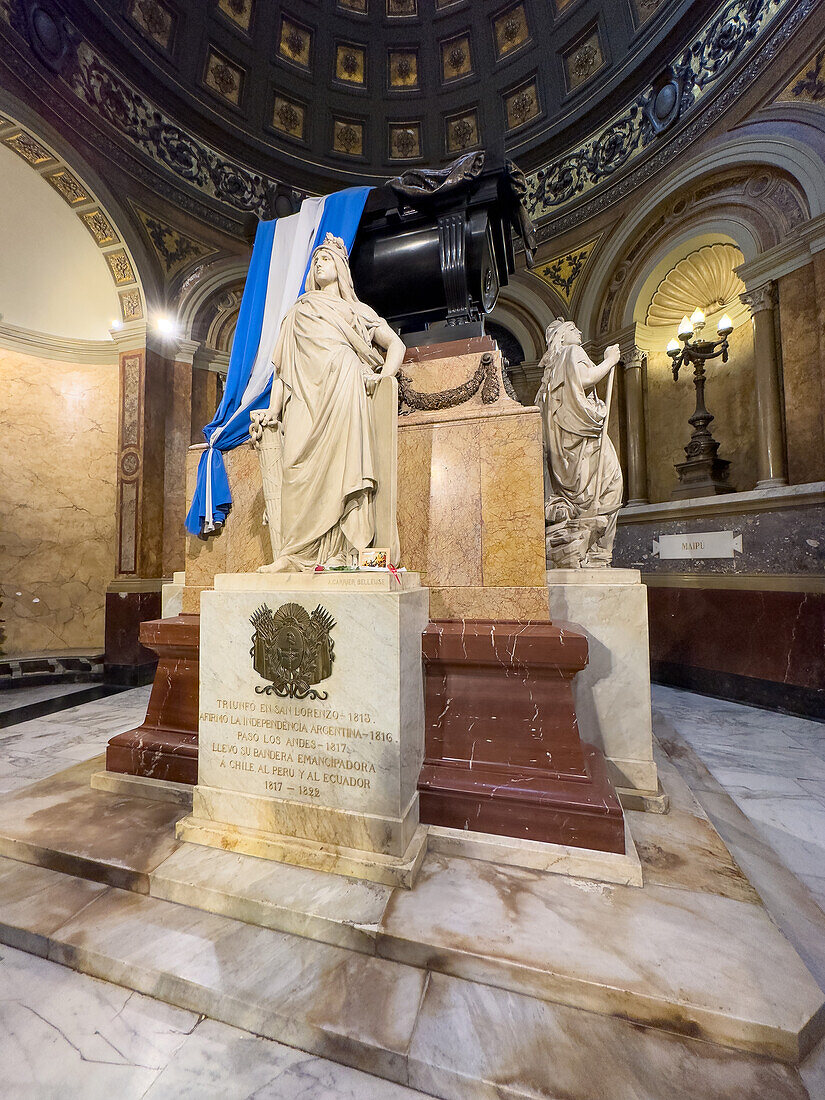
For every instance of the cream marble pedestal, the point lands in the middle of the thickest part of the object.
(331, 782)
(612, 694)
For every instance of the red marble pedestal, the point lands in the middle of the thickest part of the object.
(503, 753)
(165, 746)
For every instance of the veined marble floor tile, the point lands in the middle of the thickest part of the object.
(682, 959)
(67, 1036)
(324, 999)
(62, 823)
(522, 1048)
(14, 698)
(222, 1062)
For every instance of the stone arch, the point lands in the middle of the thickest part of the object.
(90, 199)
(753, 206)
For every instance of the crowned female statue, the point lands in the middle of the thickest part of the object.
(332, 352)
(583, 482)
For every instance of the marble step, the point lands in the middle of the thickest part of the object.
(450, 1038)
(690, 961)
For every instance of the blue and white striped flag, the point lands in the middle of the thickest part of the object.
(276, 278)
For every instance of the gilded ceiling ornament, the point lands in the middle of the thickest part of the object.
(131, 307)
(66, 185)
(154, 19)
(26, 147)
(510, 30)
(289, 117)
(99, 226)
(808, 86)
(120, 267)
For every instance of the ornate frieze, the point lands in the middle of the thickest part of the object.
(732, 32)
(156, 134)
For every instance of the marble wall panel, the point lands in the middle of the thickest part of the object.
(454, 512)
(512, 508)
(779, 541)
(802, 375)
(150, 524)
(730, 395)
(57, 497)
(178, 430)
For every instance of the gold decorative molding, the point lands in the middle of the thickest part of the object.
(68, 187)
(706, 278)
(562, 273)
(100, 227)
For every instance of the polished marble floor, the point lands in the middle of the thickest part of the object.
(63, 1034)
(771, 765)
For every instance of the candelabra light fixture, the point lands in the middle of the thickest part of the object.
(703, 473)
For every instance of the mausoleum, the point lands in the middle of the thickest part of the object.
(412, 607)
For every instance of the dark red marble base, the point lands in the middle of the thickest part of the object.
(165, 746)
(127, 661)
(502, 752)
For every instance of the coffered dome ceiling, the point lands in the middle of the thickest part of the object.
(316, 91)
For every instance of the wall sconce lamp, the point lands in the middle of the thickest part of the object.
(703, 474)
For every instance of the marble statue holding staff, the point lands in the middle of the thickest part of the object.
(583, 479)
(321, 482)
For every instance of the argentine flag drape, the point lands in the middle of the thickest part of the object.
(276, 278)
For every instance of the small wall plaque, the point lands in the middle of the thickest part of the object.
(698, 544)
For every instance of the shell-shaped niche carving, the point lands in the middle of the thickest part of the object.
(706, 278)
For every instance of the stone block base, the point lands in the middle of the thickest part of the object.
(350, 862)
(612, 694)
(503, 753)
(165, 745)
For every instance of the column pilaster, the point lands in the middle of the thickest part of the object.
(633, 361)
(772, 469)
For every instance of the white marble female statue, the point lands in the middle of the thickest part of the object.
(583, 482)
(325, 361)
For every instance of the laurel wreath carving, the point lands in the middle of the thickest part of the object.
(484, 379)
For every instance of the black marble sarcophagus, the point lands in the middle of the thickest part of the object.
(437, 245)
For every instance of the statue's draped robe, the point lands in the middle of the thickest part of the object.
(323, 353)
(573, 421)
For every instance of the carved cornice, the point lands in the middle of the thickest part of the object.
(761, 298)
(43, 345)
(757, 33)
